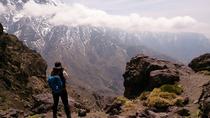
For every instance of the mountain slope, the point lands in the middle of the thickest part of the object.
(94, 56)
(22, 74)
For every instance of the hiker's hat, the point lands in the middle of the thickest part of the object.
(58, 66)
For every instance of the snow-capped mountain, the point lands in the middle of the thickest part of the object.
(96, 56)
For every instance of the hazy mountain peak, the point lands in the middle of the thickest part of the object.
(20, 3)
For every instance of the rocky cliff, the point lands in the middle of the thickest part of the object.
(145, 73)
(157, 88)
(22, 73)
(201, 64)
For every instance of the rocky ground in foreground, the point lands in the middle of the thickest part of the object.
(162, 89)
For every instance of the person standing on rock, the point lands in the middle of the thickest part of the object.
(57, 82)
(1, 29)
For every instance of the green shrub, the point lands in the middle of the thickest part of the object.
(205, 72)
(160, 99)
(179, 102)
(36, 116)
(177, 89)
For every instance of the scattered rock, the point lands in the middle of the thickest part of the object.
(204, 100)
(43, 103)
(12, 113)
(114, 108)
(184, 112)
(195, 102)
(186, 100)
(151, 114)
(201, 63)
(82, 113)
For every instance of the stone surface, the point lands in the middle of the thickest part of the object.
(143, 73)
(12, 113)
(114, 108)
(151, 114)
(184, 112)
(201, 63)
(22, 73)
(82, 113)
(204, 100)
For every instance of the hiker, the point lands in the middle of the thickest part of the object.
(57, 82)
(1, 29)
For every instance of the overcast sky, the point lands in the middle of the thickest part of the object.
(197, 9)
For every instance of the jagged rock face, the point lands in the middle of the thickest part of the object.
(144, 73)
(201, 63)
(205, 101)
(22, 73)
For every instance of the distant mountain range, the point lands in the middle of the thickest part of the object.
(96, 56)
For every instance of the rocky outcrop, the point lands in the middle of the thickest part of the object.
(201, 63)
(162, 89)
(145, 73)
(204, 101)
(22, 73)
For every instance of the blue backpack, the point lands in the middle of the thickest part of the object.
(55, 83)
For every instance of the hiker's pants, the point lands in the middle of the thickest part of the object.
(64, 98)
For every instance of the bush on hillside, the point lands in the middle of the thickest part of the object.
(177, 89)
(160, 99)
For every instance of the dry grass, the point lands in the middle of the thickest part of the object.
(160, 99)
(144, 95)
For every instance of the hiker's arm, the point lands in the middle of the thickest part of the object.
(66, 75)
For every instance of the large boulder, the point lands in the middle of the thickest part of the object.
(201, 63)
(145, 73)
(160, 77)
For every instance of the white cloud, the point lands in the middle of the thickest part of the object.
(77, 14)
(2, 9)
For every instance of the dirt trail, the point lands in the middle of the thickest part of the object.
(192, 84)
